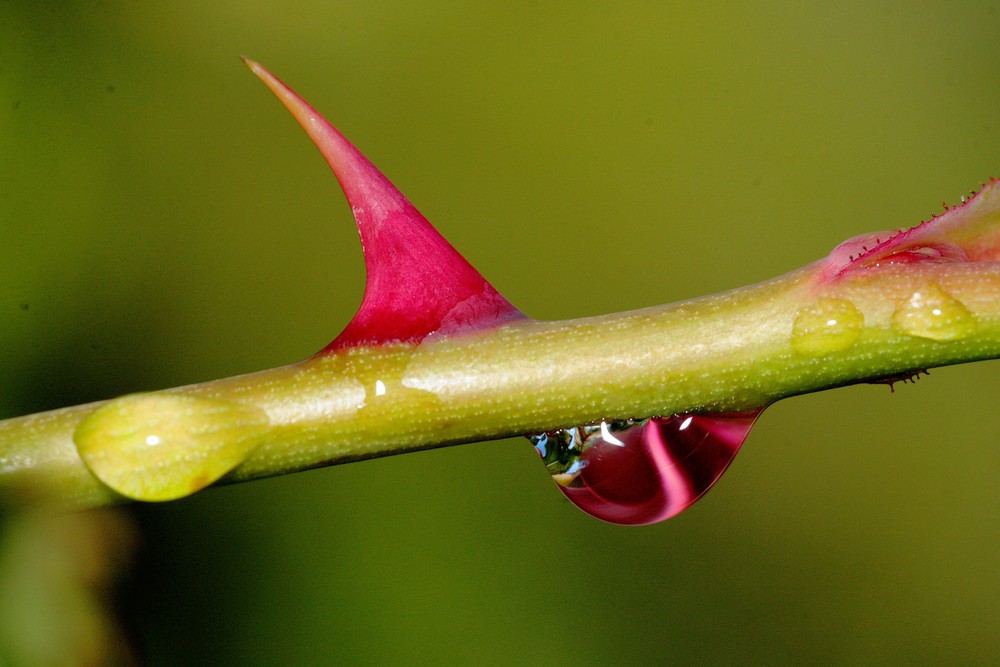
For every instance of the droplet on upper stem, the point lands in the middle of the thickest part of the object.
(826, 326)
(933, 313)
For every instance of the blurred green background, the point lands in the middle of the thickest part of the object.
(164, 221)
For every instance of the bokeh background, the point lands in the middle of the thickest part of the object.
(164, 221)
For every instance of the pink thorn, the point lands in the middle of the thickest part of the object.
(417, 283)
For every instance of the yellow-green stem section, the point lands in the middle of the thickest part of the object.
(727, 352)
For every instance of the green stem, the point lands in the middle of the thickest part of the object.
(727, 352)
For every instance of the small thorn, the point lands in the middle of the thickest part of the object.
(905, 378)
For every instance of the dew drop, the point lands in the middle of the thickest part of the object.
(933, 313)
(162, 446)
(637, 473)
(826, 326)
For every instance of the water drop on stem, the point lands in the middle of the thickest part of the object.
(934, 314)
(162, 446)
(826, 326)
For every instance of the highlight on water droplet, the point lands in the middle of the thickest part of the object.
(636, 473)
(162, 446)
(826, 326)
(933, 313)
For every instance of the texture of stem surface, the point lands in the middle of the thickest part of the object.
(436, 356)
(727, 352)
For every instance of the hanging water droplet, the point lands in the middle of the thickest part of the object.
(826, 326)
(164, 446)
(933, 313)
(636, 473)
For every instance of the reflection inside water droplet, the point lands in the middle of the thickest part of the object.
(933, 313)
(163, 446)
(641, 472)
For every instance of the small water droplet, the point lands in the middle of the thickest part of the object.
(826, 326)
(636, 473)
(162, 446)
(933, 313)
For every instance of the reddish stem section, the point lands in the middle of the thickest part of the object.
(967, 233)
